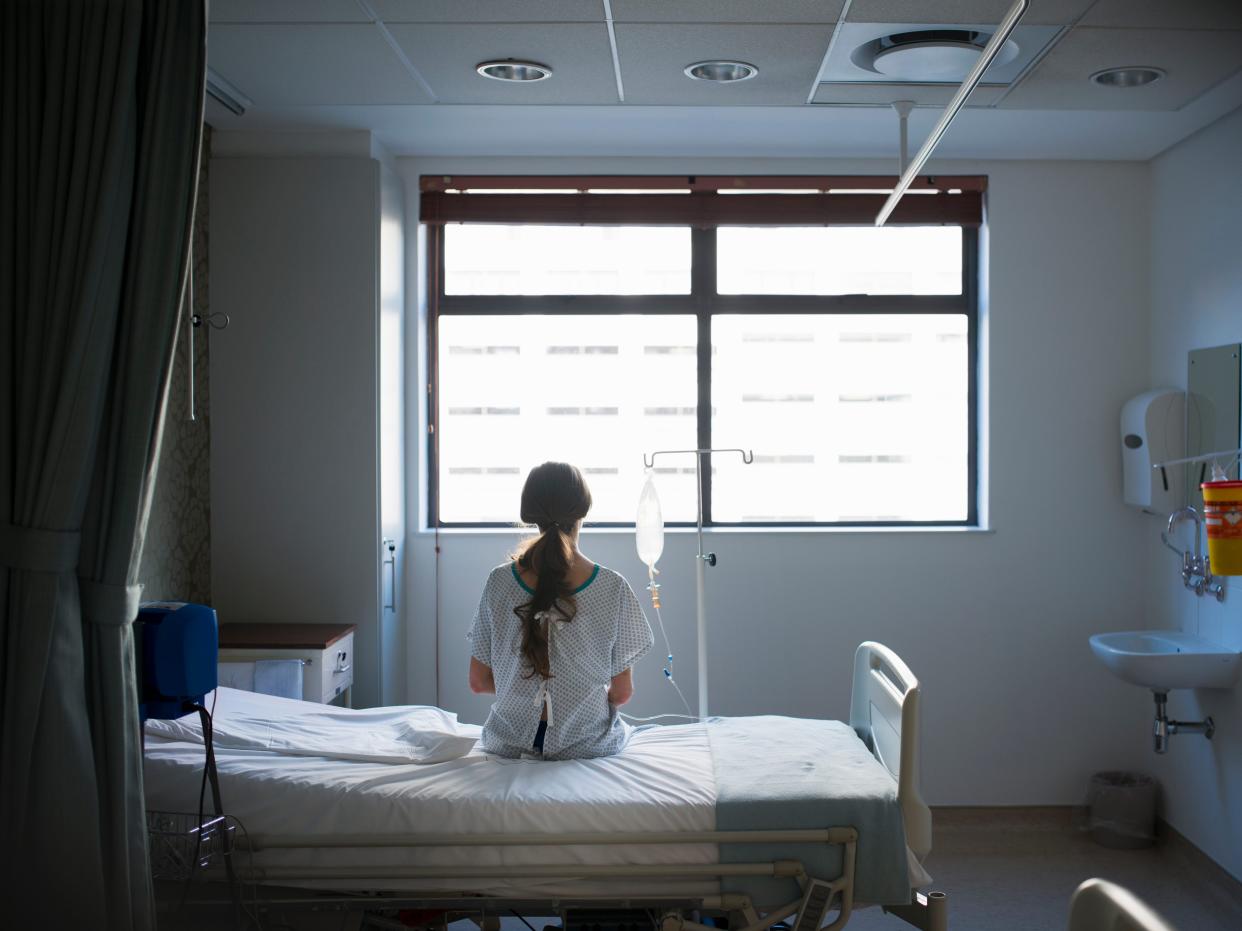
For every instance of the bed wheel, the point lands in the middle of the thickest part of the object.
(671, 921)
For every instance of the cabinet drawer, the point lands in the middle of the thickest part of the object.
(336, 669)
(326, 673)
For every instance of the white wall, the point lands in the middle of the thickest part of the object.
(1196, 301)
(995, 624)
(294, 473)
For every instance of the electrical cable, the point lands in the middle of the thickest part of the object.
(521, 919)
(202, 794)
(253, 912)
(211, 776)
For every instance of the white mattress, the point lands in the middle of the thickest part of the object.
(661, 782)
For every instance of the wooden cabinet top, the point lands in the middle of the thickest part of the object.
(282, 636)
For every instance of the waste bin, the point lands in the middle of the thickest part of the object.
(1121, 809)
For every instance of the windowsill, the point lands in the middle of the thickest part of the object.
(761, 531)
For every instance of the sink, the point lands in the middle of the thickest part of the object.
(1167, 659)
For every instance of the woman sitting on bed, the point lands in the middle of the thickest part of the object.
(556, 635)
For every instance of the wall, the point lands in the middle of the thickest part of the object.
(1196, 301)
(176, 556)
(995, 623)
(295, 451)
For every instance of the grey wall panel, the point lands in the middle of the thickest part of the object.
(949, 12)
(489, 11)
(287, 11)
(653, 57)
(293, 454)
(312, 65)
(727, 11)
(1194, 59)
(578, 53)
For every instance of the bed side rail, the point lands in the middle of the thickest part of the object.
(1098, 904)
(884, 712)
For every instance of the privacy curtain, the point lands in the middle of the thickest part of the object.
(101, 105)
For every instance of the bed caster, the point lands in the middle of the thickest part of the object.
(671, 921)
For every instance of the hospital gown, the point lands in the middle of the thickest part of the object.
(606, 636)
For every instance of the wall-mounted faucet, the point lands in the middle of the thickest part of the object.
(1196, 568)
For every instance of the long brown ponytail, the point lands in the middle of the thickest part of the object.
(554, 498)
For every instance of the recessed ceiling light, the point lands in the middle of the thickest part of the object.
(722, 72)
(517, 72)
(1127, 77)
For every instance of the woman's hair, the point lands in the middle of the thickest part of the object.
(554, 498)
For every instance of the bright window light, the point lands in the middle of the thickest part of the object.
(839, 260)
(854, 419)
(543, 260)
(597, 391)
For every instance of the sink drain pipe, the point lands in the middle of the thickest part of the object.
(1164, 728)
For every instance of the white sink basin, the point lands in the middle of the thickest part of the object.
(1167, 659)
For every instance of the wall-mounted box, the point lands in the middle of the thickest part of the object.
(1153, 430)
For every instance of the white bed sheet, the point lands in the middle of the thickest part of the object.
(252, 721)
(662, 781)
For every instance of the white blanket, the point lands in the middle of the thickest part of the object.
(662, 781)
(248, 721)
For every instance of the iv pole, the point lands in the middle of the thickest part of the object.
(703, 559)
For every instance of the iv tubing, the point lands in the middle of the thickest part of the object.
(668, 672)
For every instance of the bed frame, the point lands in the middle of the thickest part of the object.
(884, 709)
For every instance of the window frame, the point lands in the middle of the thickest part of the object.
(704, 303)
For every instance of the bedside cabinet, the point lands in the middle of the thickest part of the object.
(326, 651)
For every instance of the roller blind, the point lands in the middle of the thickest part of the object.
(700, 201)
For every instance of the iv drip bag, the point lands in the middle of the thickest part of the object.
(649, 525)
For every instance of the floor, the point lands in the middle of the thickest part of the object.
(1016, 871)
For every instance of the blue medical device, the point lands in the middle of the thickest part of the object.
(179, 645)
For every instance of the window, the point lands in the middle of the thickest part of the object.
(843, 356)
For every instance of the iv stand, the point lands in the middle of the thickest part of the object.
(703, 559)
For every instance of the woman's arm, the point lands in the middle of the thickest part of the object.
(481, 680)
(621, 689)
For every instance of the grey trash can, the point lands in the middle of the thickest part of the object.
(1121, 809)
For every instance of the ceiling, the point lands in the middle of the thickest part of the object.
(404, 69)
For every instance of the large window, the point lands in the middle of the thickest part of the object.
(843, 356)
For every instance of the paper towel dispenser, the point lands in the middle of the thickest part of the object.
(1153, 430)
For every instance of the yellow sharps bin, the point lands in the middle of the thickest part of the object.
(1222, 514)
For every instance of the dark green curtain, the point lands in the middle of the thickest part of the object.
(101, 107)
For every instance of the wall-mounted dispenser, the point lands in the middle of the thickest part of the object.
(1153, 429)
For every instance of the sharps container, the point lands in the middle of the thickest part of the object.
(1121, 809)
(1222, 515)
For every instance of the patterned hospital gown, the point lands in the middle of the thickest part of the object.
(607, 635)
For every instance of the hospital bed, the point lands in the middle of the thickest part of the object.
(745, 821)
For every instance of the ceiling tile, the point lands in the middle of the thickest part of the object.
(952, 12)
(446, 55)
(299, 65)
(882, 95)
(1162, 14)
(727, 11)
(653, 58)
(1194, 59)
(489, 11)
(287, 11)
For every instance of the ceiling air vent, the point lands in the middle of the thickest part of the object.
(928, 56)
